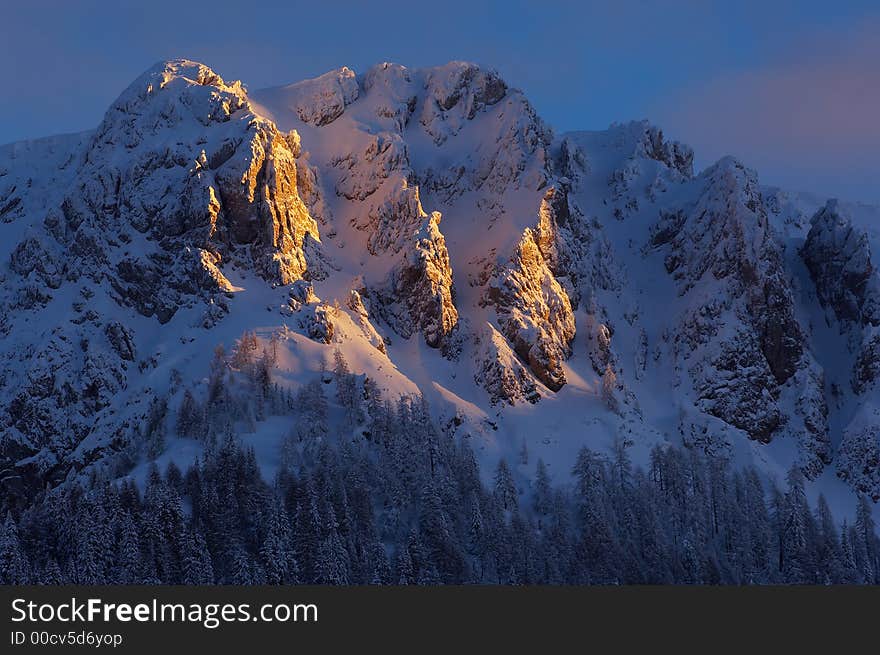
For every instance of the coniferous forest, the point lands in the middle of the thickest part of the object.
(390, 498)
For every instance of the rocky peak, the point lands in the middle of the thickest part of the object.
(182, 159)
(723, 234)
(675, 155)
(465, 86)
(838, 257)
(321, 100)
(726, 238)
(168, 95)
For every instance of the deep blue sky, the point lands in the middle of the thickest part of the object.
(793, 88)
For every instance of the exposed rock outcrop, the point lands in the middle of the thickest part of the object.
(673, 154)
(419, 296)
(321, 100)
(455, 93)
(723, 255)
(534, 312)
(317, 320)
(838, 257)
(500, 371)
(867, 367)
(392, 221)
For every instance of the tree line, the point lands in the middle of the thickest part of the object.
(371, 491)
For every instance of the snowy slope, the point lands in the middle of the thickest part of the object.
(548, 290)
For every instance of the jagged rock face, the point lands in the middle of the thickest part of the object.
(418, 293)
(383, 184)
(362, 318)
(420, 288)
(673, 154)
(724, 243)
(727, 230)
(456, 92)
(867, 367)
(321, 100)
(741, 389)
(501, 372)
(61, 383)
(838, 257)
(516, 154)
(391, 222)
(554, 213)
(556, 263)
(534, 312)
(263, 210)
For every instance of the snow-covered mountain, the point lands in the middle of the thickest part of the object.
(552, 290)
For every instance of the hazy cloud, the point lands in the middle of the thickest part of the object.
(811, 118)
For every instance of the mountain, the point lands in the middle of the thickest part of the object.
(541, 291)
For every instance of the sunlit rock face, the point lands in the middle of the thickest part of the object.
(180, 176)
(421, 288)
(534, 311)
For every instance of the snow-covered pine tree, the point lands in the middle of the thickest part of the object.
(190, 417)
(276, 552)
(505, 489)
(14, 567)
